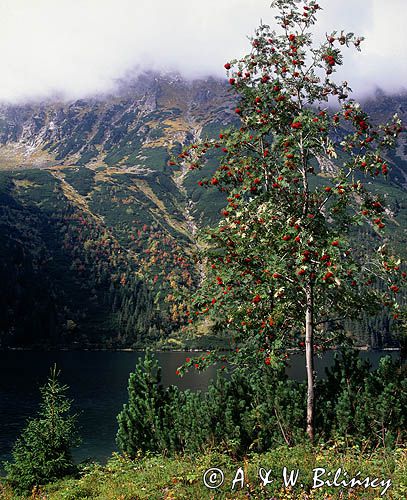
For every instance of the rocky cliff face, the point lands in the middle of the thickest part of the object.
(149, 113)
(97, 228)
(381, 107)
(138, 125)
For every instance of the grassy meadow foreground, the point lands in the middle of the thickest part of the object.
(250, 426)
(156, 477)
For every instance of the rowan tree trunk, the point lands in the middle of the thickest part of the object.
(309, 359)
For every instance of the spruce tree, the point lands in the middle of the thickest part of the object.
(42, 453)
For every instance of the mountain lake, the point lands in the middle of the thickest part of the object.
(97, 383)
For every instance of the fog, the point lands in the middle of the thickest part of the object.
(76, 48)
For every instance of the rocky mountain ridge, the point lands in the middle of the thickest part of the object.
(150, 112)
(98, 229)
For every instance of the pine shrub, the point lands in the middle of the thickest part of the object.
(140, 420)
(258, 410)
(361, 405)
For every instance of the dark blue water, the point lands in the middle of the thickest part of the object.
(98, 386)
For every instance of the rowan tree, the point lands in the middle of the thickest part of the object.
(282, 269)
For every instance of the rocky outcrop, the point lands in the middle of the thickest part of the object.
(108, 129)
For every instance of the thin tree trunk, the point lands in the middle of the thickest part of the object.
(309, 358)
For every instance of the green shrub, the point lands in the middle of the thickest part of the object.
(43, 451)
(361, 405)
(261, 409)
(229, 404)
(278, 410)
(186, 422)
(140, 420)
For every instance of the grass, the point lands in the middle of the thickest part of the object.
(157, 477)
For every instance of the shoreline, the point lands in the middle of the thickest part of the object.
(71, 349)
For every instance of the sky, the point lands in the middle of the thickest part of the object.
(78, 48)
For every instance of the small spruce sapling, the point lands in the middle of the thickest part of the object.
(42, 453)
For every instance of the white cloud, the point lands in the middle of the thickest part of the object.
(76, 48)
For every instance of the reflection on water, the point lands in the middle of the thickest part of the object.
(296, 369)
(98, 385)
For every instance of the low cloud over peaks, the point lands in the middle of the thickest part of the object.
(76, 48)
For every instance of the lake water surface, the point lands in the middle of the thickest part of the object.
(98, 385)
